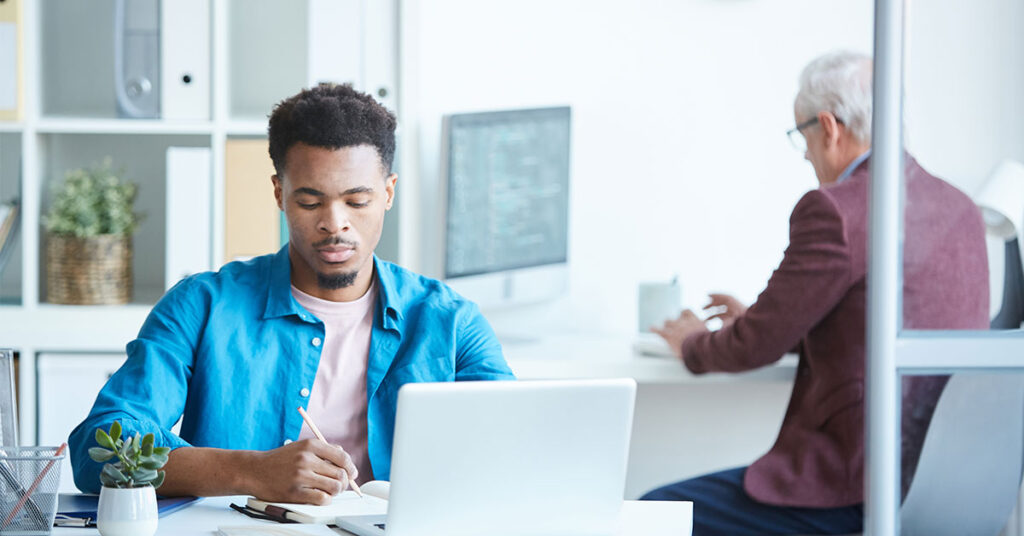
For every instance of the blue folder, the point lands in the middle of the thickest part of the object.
(75, 509)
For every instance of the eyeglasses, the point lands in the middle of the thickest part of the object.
(796, 137)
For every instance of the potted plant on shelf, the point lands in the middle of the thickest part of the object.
(127, 504)
(89, 238)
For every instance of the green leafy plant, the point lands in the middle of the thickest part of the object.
(139, 461)
(93, 201)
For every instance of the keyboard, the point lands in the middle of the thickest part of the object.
(651, 344)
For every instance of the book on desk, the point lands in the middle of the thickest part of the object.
(374, 502)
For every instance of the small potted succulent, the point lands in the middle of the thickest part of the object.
(128, 497)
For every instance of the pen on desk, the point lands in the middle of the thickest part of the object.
(316, 432)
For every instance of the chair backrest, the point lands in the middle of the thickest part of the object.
(1011, 312)
(1006, 274)
(8, 409)
(969, 473)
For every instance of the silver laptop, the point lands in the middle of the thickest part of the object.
(507, 459)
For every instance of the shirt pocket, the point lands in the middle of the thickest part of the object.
(842, 398)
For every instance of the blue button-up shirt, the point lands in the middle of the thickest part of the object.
(233, 354)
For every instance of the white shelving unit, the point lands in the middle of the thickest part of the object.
(259, 53)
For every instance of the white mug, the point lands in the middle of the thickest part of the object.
(656, 303)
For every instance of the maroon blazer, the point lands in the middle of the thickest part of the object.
(815, 302)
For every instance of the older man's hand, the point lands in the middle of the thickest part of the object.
(676, 331)
(726, 308)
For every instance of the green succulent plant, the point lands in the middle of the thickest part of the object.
(139, 462)
(93, 201)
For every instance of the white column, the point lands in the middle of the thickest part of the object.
(884, 267)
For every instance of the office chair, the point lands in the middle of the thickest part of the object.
(969, 473)
(972, 461)
(1011, 312)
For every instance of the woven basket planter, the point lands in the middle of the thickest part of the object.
(89, 271)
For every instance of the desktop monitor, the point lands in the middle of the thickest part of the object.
(507, 210)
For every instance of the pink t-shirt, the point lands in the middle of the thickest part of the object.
(337, 403)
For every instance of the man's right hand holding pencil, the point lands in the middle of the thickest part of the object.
(305, 471)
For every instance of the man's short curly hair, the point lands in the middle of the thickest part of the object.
(331, 116)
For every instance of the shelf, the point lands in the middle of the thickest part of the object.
(247, 127)
(82, 328)
(75, 125)
(12, 126)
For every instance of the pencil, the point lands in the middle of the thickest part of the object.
(316, 432)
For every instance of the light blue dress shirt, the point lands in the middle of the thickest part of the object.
(233, 355)
(853, 166)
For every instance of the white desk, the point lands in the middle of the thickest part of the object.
(612, 356)
(684, 424)
(637, 519)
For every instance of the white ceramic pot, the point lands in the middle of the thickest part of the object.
(127, 512)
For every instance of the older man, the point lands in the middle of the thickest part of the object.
(811, 481)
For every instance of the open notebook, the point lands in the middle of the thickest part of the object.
(373, 502)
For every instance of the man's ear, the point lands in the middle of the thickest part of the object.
(389, 190)
(278, 193)
(830, 127)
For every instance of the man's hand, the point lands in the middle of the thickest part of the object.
(676, 331)
(307, 471)
(728, 307)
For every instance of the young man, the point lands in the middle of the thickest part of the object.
(322, 324)
(812, 479)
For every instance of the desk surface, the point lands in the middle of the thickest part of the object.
(611, 356)
(648, 518)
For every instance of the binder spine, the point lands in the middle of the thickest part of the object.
(188, 213)
(185, 59)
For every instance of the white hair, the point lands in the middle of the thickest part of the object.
(840, 83)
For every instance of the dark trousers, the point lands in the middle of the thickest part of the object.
(722, 507)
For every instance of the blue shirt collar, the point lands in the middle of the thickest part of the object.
(390, 300)
(280, 301)
(853, 166)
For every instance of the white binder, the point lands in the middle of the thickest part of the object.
(185, 59)
(188, 212)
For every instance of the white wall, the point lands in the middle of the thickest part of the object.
(680, 164)
(965, 86)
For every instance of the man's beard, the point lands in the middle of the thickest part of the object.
(336, 281)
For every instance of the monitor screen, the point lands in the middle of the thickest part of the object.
(508, 190)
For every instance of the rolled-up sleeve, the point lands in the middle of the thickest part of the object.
(147, 394)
